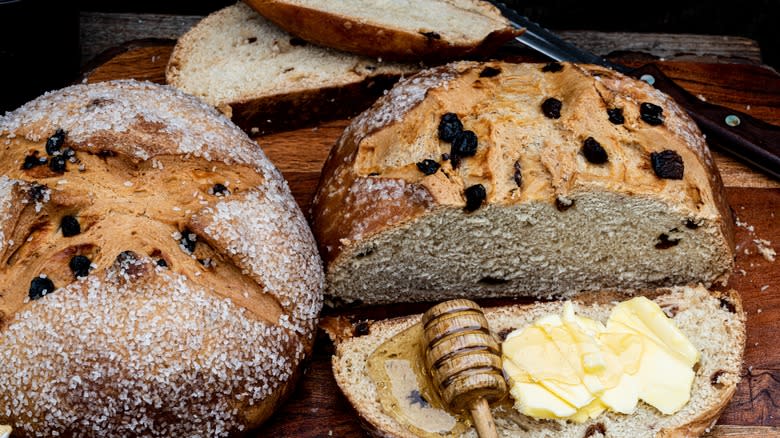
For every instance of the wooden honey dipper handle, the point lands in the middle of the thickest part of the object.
(464, 360)
(483, 419)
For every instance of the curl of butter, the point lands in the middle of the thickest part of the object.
(570, 367)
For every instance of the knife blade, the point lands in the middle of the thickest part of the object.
(753, 141)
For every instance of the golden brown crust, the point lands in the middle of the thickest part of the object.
(384, 144)
(201, 289)
(705, 420)
(703, 423)
(363, 37)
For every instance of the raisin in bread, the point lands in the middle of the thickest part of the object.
(406, 30)
(157, 279)
(713, 322)
(498, 179)
(267, 79)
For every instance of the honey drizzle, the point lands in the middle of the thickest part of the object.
(408, 345)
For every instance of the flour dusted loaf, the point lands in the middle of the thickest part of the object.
(401, 29)
(497, 179)
(157, 277)
(267, 79)
(714, 322)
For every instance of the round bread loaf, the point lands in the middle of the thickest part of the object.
(157, 279)
(497, 179)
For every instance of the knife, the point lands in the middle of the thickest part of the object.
(745, 137)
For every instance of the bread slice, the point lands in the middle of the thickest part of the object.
(267, 79)
(401, 29)
(572, 197)
(715, 324)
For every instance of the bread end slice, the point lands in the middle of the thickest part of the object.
(433, 30)
(267, 80)
(713, 321)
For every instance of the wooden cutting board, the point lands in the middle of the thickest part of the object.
(317, 408)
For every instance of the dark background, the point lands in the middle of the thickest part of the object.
(28, 68)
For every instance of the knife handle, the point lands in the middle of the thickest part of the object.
(733, 132)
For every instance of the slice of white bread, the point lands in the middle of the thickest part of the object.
(267, 79)
(394, 29)
(713, 322)
(572, 197)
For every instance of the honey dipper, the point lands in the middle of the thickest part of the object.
(464, 360)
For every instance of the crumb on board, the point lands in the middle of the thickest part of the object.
(765, 249)
(763, 246)
(745, 225)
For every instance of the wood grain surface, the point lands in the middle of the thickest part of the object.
(318, 409)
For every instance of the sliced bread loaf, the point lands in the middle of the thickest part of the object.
(400, 29)
(496, 179)
(267, 79)
(714, 323)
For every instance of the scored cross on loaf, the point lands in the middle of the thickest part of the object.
(157, 278)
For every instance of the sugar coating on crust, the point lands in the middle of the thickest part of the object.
(393, 194)
(267, 253)
(117, 106)
(197, 129)
(6, 192)
(407, 94)
(144, 344)
(174, 355)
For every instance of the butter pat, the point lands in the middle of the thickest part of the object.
(574, 368)
(5, 431)
(645, 317)
(665, 374)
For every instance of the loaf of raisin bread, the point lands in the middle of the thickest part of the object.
(401, 29)
(157, 277)
(268, 80)
(499, 179)
(713, 322)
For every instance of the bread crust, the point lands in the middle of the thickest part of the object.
(705, 420)
(295, 104)
(283, 112)
(356, 198)
(202, 296)
(379, 424)
(334, 230)
(364, 37)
